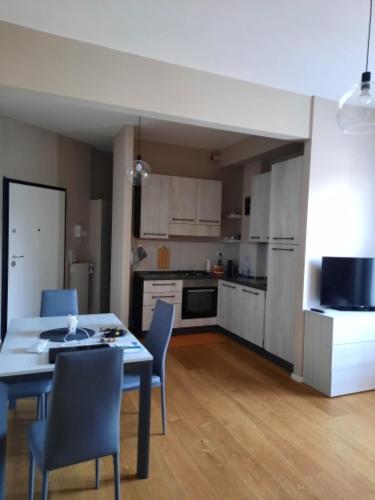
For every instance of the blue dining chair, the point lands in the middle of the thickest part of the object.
(59, 303)
(83, 421)
(54, 303)
(3, 436)
(156, 343)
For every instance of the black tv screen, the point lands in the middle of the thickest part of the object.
(348, 283)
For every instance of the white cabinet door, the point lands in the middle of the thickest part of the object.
(286, 187)
(155, 207)
(260, 208)
(281, 301)
(251, 314)
(183, 200)
(228, 306)
(208, 202)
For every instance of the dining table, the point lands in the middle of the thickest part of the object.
(20, 362)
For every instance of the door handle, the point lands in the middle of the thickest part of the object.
(18, 256)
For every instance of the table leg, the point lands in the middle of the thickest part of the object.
(144, 422)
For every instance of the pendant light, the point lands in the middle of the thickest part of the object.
(139, 172)
(356, 109)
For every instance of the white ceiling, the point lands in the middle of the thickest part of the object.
(315, 47)
(96, 125)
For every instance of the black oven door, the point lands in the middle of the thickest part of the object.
(199, 302)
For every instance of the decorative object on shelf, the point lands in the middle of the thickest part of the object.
(139, 172)
(356, 108)
(235, 214)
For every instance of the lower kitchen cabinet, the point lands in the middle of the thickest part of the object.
(228, 306)
(148, 312)
(251, 317)
(280, 317)
(241, 311)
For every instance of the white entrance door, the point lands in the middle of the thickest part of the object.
(36, 246)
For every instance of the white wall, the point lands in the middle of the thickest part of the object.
(59, 66)
(341, 198)
(32, 154)
(186, 255)
(121, 224)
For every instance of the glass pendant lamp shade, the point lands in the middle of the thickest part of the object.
(356, 109)
(138, 173)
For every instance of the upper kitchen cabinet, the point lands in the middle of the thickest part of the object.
(260, 208)
(152, 205)
(208, 202)
(286, 187)
(195, 207)
(183, 200)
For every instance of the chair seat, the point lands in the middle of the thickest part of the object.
(132, 382)
(35, 438)
(29, 389)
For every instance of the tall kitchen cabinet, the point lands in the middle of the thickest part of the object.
(283, 258)
(260, 208)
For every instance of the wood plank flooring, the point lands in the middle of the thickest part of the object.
(238, 428)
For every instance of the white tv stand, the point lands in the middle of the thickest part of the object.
(339, 355)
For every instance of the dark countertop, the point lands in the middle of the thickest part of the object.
(259, 283)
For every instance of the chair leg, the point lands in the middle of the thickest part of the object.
(97, 473)
(163, 408)
(45, 406)
(12, 403)
(40, 407)
(116, 470)
(31, 476)
(44, 486)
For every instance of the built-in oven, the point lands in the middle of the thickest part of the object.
(199, 298)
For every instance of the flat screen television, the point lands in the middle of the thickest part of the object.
(348, 283)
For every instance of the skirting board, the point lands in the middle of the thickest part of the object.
(296, 378)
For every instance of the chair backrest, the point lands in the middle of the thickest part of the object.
(159, 334)
(59, 302)
(84, 410)
(3, 435)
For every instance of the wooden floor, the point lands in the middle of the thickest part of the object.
(238, 428)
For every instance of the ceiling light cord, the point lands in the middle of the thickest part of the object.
(139, 134)
(369, 37)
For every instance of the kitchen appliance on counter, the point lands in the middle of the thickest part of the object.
(199, 298)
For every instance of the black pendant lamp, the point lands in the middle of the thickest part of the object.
(139, 172)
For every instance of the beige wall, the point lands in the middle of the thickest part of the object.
(121, 225)
(47, 63)
(35, 155)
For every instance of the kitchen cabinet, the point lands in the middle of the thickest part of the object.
(281, 301)
(183, 200)
(154, 217)
(260, 208)
(285, 208)
(228, 306)
(148, 312)
(251, 314)
(208, 202)
(167, 290)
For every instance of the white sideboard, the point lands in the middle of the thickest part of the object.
(339, 356)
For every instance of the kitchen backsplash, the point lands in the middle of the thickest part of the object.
(189, 255)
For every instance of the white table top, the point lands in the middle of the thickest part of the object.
(22, 333)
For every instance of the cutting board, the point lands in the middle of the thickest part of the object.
(163, 258)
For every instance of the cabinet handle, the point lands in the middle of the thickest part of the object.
(248, 291)
(284, 249)
(208, 220)
(228, 286)
(164, 284)
(163, 296)
(255, 237)
(183, 220)
(155, 234)
(284, 238)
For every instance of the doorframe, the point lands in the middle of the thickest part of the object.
(5, 243)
